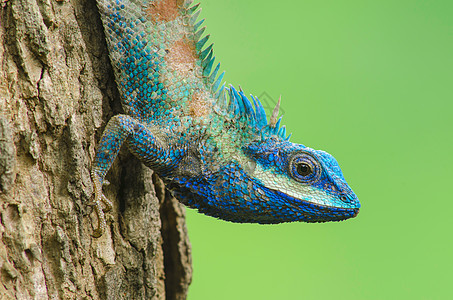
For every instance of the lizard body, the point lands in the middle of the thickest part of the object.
(212, 146)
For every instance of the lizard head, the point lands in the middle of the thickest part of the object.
(261, 177)
(304, 183)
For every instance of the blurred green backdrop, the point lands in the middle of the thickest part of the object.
(371, 82)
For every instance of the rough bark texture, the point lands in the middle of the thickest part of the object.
(56, 93)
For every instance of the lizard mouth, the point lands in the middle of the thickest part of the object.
(312, 212)
(338, 215)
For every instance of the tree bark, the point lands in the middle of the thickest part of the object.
(57, 92)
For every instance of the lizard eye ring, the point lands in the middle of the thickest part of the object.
(304, 168)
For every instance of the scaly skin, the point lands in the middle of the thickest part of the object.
(211, 145)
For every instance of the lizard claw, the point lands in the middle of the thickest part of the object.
(99, 199)
(107, 203)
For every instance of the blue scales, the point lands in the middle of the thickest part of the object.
(211, 144)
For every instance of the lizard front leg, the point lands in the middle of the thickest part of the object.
(142, 142)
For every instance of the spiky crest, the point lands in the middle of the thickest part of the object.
(238, 104)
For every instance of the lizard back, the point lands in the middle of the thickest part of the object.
(164, 75)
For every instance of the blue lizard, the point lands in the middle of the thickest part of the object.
(211, 144)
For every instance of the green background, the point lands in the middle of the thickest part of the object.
(371, 82)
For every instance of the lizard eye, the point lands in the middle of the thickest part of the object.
(304, 168)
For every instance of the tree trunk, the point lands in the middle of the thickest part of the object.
(57, 92)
